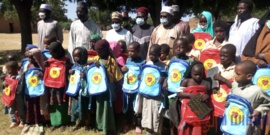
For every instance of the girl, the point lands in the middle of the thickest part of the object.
(12, 68)
(116, 48)
(104, 112)
(58, 108)
(81, 100)
(124, 52)
(165, 52)
(33, 115)
(193, 84)
(205, 23)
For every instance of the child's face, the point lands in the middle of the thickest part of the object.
(203, 21)
(123, 47)
(225, 57)
(163, 55)
(197, 73)
(153, 55)
(240, 76)
(46, 43)
(12, 71)
(219, 33)
(77, 56)
(132, 52)
(180, 49)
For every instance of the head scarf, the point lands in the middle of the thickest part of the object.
(57, 49)
(188, 71)
(104, 44)
(37, 55)
(209, 28)
(116, 48)
(84, 54)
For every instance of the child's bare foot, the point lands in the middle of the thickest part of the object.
(62, 128)
(13, 125)
(53, 128)
(138, 130)
(21, 125)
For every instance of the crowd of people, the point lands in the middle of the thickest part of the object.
(146, 52)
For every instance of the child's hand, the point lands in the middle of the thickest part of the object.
(204, 97)
(71, 72)
(139, 77)
(5, 84)
(97, 64)
(226, 103)
(262, 63)
(124, 69)
(46, 64)
(255, 116)
(260, 56)
(39, 74)
(217, 77)
(82, 75)
(165, 85)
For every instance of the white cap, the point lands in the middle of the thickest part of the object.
(45, 6)
(167, 9)
(175, 8)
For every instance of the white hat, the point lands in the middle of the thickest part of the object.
(45, 6)
(175, 8)
(167, 9)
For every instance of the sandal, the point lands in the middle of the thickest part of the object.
(62, 128)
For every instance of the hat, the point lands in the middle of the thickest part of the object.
(143, 10)
(116, 15)
(95, 37)
(167, 9)
(175, 8)
(45, 6)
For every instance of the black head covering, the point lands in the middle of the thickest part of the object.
(57, 49)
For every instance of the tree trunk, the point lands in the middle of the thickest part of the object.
(154, 7)
(23, 8)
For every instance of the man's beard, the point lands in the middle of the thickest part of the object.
(244, 16)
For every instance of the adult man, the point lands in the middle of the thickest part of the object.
(244, 27)
(142, 31)
(47, 26)
(167, 31)
(82, 29)
(117, 32)
(177, 20)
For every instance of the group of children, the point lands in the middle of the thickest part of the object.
(103, 110)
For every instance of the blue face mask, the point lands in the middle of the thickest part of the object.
(268, 24)
(164, 21)
(116, 26)
(140, 21)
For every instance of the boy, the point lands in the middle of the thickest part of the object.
(260, 101)
(181, 47)
(165, 51)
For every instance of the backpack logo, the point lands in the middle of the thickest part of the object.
(54, 72)
(221, 95)
(33, 81)
(96, 78)
(150, 79)
(175, 75)
(131, 78)
(236, 115)
(7, 90)
(72, 79)
(263, 82)
(209, 63)
(199, 44)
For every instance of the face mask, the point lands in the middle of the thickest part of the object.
(41, 15)
(116, 26)
(164, 21)
(268, 24)
(203, 27)
(140, 21)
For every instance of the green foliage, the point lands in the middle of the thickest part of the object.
(102, 17)
(66, 25)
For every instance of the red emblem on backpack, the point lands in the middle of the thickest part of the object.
(9, 92)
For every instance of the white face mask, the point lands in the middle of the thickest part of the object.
(41, 15)
(164, 21)
(268, 24)
(116, 26)
(203, 27)
(140, 21)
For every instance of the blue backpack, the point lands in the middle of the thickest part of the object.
(34, 84)
(176, 71)
(96, 79)
(24, 64)
(236, 116)
(262, 78)
(131, 83)
(46, 54)
(74, 84)
(149, 85)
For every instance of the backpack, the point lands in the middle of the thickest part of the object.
(210, 58)
(34, 85)
(131, 82)
(74, 84)
(149, 83)
(201, 39)
(236, 116)
(262, 78)
(46, 54)
(24, 64)
(55, 73)
(97, 81)
(9, 93)
(176, 71)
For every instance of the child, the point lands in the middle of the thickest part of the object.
(124, 51)
(194, 82)
(104, 112)
(116, 48)
(220, 36)
(150, 116)
(165, 52)
(59, 107)
(33, 115)
(47, 41)
(10, 57)
(244, 71)
(12, 69)
(136, 60)
(94, 39)
(181, 48)
(205, 23)
(81, 100)
(194, 54)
